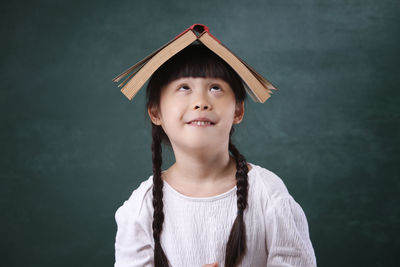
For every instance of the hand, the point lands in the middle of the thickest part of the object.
(215, 264)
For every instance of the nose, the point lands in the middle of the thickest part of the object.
(202, 102)
(201, 106)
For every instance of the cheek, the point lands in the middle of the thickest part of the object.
(230, 112)
(171, 114)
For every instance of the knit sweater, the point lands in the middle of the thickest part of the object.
(196, 229)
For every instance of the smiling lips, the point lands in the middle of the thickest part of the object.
(201, 122)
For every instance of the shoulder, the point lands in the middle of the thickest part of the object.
(134, 243)
(138, 204)
(268, 184)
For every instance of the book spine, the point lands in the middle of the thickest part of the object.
(205, 29)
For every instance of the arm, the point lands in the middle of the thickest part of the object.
(133, 246)
(289, 243)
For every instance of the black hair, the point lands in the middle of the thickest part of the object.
(196, 60)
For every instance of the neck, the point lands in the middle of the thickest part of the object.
(202, 169)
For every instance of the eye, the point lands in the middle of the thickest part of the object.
(184, 86)
(216, 86)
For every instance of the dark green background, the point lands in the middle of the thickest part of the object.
(73, 147)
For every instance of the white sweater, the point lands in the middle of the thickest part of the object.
(195, 230)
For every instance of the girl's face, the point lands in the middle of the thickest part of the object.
(187, 99)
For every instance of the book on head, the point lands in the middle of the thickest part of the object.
(254, 83)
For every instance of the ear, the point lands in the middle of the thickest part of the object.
(154, 115)
(239, 113)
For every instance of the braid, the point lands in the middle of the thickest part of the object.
(160, 259)
(236, 247)
(195, 61)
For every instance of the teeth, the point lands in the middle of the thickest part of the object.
(201, 122)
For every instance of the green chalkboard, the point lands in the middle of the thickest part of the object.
(73, 147)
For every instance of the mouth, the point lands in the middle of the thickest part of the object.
(201, 123)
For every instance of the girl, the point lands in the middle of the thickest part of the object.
(210, 206)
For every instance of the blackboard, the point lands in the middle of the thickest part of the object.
(74, 147)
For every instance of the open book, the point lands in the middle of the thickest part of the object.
(256, 85)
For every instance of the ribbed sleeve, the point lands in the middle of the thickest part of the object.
(290, 245)
(132, 244)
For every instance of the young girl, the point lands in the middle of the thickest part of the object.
(210, 206)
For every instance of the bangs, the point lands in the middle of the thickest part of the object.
(198, 61)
